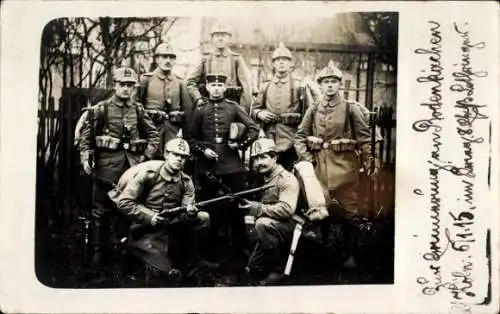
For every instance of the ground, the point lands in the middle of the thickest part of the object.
(60, 251)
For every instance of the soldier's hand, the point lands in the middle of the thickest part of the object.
(143, 158)
(192, 210)
(266, 116)
(87, 166)
(254, 208)
(210, 154)
(200, 102)
(157, 219)
(372, 166)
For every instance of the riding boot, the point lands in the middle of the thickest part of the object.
(350, 230)
(275, 275)
(99, 249)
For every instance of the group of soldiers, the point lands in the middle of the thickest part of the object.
(155, 151)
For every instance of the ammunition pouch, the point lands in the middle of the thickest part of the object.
(138, 146)
(107, 142)
(290, 118)
(234, 93)
(158, 116)
(314, 143)
(176, 116)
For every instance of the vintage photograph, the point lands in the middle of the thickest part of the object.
(216, 151)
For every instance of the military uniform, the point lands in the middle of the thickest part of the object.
(274, 225)
(123, 133)
(227, 62)
(287, 98)
(329, 136)
(336, 162)
(151, 189)
(167, 101)
(210, 129)
(166, 98)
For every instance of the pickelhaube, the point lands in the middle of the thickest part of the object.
(221, 27)
(216, 78)
(329, 71)
(262, 146)
(282, 52)
(178, 145)
(165, 49)
(125, 74)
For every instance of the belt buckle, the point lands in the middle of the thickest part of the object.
(325, 145)
(126, 146)
(218, 140)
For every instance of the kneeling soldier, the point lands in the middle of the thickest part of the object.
(274, 225)
(164, 244)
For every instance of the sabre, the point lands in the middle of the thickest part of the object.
(297, 232)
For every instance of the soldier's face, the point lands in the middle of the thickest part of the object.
(221, 40)
(216, 89)
(264, 163)
(282, 65)
(124, 90)
(165, 62)
(330, 86)
(175, 161)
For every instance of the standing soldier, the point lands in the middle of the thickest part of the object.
(209, 137)
(124, 136)
(280, 105)
(274, 224)
(328, 136)
(165, 96)
(165, 245)
(222, 60)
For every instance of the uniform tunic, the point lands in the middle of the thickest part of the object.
(163, 191)
(282, 96)
(274, 226)
(166, 93)
(148, 191)
(110, 164)
(338, 171)
(210, 129)
(222, 62)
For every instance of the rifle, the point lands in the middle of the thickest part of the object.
(90, 121)
(237, 195)
(373, 116)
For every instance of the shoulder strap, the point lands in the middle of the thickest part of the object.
(101, 116)
(302, 98)
(264, 96)
(144, 89)
(139, 108)
(349, 122)
(181, 105)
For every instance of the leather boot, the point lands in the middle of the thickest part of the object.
(350, 230)
(272, 260)
(99, 251)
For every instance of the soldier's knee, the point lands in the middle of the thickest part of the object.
(264, 223)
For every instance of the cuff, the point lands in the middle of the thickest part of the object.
(147, 213)
(255, 112)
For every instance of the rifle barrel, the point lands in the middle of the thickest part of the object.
(218, 199)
